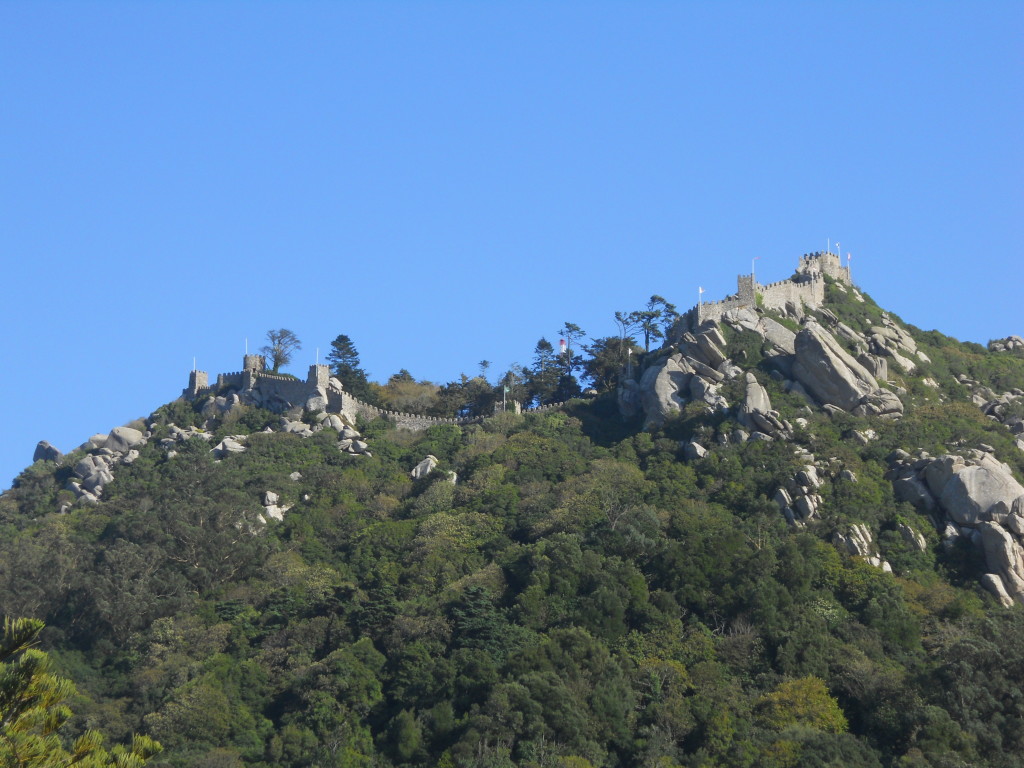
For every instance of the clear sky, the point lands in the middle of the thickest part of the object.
(447, 182)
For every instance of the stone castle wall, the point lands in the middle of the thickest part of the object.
(283, 392)
(777, 295)
(353, 408)
(278, 393)
(822, 262)
(271, 390)
(198, 383)
(807, 288)
(414, 422)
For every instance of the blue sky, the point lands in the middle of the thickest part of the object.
(447, 182)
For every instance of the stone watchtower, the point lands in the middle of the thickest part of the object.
(197, 380)
(746, 289)
(824, 263)
(256, 363)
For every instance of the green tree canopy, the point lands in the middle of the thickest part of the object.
(607, 359)
(33, 708)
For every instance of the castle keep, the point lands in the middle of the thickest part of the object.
(805, 288)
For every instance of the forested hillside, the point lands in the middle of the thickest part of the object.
(562, 588)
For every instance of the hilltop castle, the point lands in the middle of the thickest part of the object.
(805, 288)
(253, 385)
(318, 392)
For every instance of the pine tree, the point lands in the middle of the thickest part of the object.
(33, 708)
(344, 361)
(545, 372)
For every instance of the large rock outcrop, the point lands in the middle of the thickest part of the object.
(781, 339)
(828, 372)
(424, 468)
(124, 438)
(756, 411)
(981, 502)
(778, 335)
(830, 375)
(812, 362)
(857, 541)
(970, 494)
(664, 389)
(46, 452)
(1009, 344)
(693, 372)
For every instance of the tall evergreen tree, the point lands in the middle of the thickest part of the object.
(607, 360)
(33, 708)
(344, 361)
(545, 372)
(572, 334)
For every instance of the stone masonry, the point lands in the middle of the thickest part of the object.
(318, 391)
(806, 288)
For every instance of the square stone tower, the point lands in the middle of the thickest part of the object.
(254, 363)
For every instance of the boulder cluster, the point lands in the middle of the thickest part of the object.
(104, 452)
(272, 509)
(757, 414)
(1004, 408)
(857, 542)
(176, 434)
(96, 469)
(973, 497)
(832, 377)
(349, 439)
(810, 361)
(799, 500)
(694, 372)
(1009, 344)
(428, 465)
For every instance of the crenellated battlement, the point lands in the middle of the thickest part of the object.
(824, 263)
(805, 289)
(254, 363)
(198, 381)
(279, 393)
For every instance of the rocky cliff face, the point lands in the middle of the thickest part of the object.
(811, 362)
(862, 367)
(975, 497)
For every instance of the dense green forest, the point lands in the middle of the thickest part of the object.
(579, 593)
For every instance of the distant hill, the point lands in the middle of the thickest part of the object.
(790, 535)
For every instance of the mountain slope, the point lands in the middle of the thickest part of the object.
(758, 578)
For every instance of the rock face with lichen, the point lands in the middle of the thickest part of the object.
(980, 500)
(695, 368)
(828, 372)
